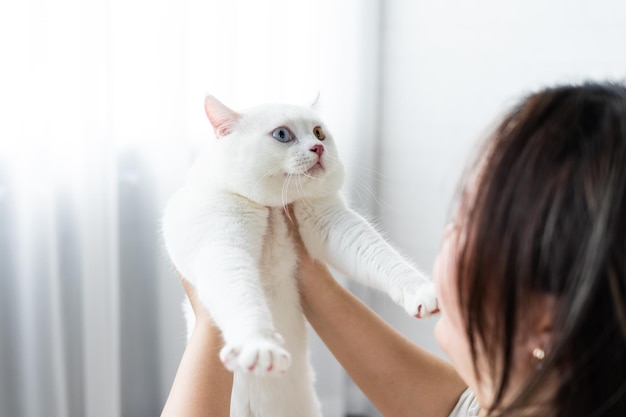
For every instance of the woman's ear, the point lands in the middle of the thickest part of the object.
(222, 118)
(539, 324)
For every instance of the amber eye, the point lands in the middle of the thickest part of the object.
(319, 133)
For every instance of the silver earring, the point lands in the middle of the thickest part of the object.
(538, 356)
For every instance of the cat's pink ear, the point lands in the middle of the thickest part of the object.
(221, 117)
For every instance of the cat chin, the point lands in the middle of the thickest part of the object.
(316, 170)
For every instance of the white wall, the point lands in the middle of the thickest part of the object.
(449, 68)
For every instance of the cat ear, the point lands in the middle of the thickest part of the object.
(221, 117)
(316, 103)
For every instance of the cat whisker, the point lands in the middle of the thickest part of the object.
(285, 190)
(306, 174)
(267, 174)
(288, 213)
(373, 172)
(365, 183)
(369, 197)
(299, 188)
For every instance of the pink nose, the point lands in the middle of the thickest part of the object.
(318, 149)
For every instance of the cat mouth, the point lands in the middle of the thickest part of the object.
(317, 168)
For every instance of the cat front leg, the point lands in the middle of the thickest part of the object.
(334, 233)
(224, 267)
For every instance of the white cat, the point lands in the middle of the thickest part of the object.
(226, 232)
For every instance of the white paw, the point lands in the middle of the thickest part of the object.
(418, 300)
(259, 356)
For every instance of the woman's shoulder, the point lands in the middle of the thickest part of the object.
(467, 406)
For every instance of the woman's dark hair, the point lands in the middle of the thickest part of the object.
(548, 215)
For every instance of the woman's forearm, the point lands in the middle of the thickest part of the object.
(202, 385)
(399, 377)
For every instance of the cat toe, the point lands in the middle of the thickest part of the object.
(228, 356)
(425, 304)
(427, 309)
(262, 363)
(422, 302)
(272, 362)
(282, 363)
(264, 358)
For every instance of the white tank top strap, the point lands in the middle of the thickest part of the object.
(467, 406)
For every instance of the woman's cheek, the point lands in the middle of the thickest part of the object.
(445, 329)
(441, 279)
(443, 270)
(450, 329)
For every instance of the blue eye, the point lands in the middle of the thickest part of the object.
(281, 134)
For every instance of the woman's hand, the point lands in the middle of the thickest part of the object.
(202, 315)
(202, 385)
(311, 273)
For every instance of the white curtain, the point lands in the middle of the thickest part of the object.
(100, 115)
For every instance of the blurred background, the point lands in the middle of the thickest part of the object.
(101, 113)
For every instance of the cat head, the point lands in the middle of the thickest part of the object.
(273, 154)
